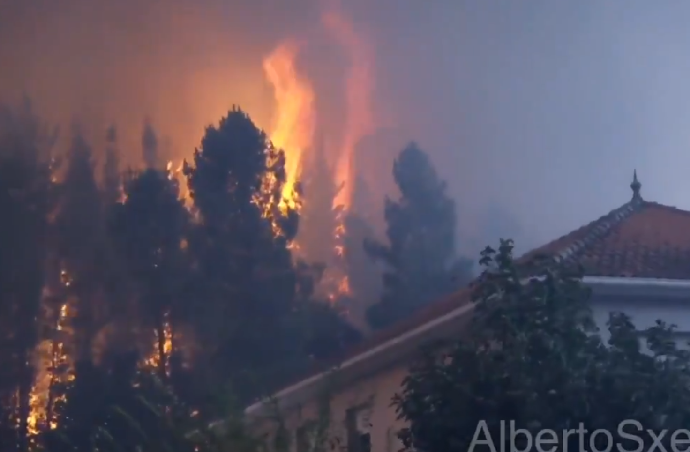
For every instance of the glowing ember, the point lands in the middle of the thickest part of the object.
(152, 362)
(53, 367)
(175, 173)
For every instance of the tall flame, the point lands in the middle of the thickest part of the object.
(359, 120)
(294, 119)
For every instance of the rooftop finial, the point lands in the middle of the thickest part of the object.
(635, 185)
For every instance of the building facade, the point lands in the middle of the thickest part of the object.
(636, 260)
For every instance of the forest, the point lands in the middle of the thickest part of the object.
(132, 297)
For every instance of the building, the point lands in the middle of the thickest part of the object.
(636, 260)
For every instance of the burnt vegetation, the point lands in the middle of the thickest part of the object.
(130, 297)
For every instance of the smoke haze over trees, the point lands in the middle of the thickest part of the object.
(125, 274)
(420, 256)
(598, 96)
(116, 286)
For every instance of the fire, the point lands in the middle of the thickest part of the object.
(53, 368)
(295, 119)
(359, 120)
(153, 360)
(342, 284)
(175, 173)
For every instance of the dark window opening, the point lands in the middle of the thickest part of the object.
(358, 430)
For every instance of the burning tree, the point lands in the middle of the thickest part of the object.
(99, 283)
(321, 224)
(149, 229)
(26, 200)
(243, 270)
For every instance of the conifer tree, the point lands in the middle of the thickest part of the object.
(111, 168)
(420, 257)
(243, 265)
(149, 229)
(149, 145)
(27, 198)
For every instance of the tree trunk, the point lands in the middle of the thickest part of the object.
(162, 358)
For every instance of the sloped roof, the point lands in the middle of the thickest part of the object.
(639, 239)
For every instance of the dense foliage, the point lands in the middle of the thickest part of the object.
(123, 307)
(420, 256)
(128, 297)
(532, 355)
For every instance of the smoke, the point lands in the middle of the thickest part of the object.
(359, 86)
(503, 97)
(294, 118)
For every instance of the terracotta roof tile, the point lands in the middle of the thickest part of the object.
(653, 242)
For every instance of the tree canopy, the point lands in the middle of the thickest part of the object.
(533, 355)
(123, 304)
(420, 260)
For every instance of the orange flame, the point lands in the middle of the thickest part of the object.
(295, 118)
(359, 86)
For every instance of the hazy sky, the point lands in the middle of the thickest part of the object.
(536, 112)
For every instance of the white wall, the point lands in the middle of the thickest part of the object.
(644, 312)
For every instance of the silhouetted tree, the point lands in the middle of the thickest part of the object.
(149, 229)
(26, 200)
(244, 268)
(532, 355)
(111, 168)
(420, 257)
(149, 146)
(79, 236)
(115, 407)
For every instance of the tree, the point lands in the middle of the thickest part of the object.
(27, 197)
(531, 354)
(115, 407)
(111, 168)
(149, 145)
(78, 267)
(243, 266)
(420, 258)
(149, 229)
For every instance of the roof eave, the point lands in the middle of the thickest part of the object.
(445, 326)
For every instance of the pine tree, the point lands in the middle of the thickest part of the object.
(112, 406)
(111, 168)
(27, 198)
(149, 229)
(79, 236)
(149, 145)
(420, 258)
(243, 265)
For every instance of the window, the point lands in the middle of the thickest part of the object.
(306, 437)
(393, 443)
(358, 430)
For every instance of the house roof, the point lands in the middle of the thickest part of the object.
(639, 239)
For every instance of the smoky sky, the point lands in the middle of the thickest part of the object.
(535, 112)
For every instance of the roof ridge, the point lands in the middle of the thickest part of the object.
(598, 228)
